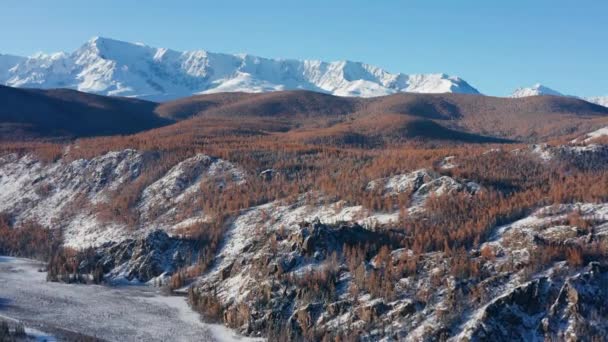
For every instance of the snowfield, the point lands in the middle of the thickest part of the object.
(131, 313)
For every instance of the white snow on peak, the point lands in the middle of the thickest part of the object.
(535, 90)
(599, 100)
(539, 89)
(112, 67)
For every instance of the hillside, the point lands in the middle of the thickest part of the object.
(297, 242)
(305, 216)
(301, 115)
(447, 117)
(528, 119)
(62, 113)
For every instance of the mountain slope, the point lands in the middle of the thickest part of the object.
(275, 104)
(30, 113)
(111, 67)
(324, 119)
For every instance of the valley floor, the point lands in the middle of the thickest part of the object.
(125, 313)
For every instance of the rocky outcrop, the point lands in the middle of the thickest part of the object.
(321, 239)
(590, 157)
(514, 316)
(420, 184)
(581, 307)
(141, 259)
(547, 308)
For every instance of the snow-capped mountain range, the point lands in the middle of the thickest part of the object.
(539, 89)
(111, 67)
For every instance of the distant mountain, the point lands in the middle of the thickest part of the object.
(111, 67)
(539, 89)
(600, 100)
(535, 90)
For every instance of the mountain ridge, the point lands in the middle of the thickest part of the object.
(112, 67)
(541, 90)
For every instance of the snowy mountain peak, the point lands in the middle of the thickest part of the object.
(599, 100)
(539, 89)
(122, 53)
(103, 42)
(536, 90)
(113, 67)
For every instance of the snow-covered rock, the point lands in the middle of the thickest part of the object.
(447, 163)
(183, 180)
(586, 157)
(110, 67)
(420, 184)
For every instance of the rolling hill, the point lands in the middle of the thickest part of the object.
(527, 119)
(63, 113)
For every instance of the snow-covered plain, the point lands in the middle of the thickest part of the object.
(127, 313)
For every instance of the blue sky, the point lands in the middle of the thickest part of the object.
(494, 45)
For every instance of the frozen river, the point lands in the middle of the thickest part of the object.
(125, 313)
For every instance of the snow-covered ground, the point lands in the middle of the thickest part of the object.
(128, 313)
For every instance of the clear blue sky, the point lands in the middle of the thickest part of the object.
(495, 45)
